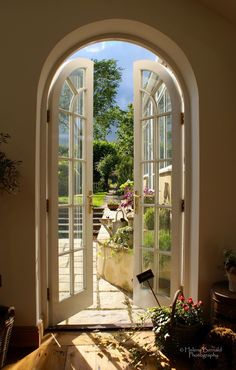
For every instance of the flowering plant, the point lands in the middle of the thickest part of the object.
(128, 189)
(186, 313)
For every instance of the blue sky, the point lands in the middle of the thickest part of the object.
(125, 53)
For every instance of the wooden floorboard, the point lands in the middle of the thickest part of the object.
(120, 350)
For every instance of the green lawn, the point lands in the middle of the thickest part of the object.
(98, 199)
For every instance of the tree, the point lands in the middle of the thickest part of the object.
(107, 78)
(106, 166)
(101, 149)
(125, 145)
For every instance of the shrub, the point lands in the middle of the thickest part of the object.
(149, 218)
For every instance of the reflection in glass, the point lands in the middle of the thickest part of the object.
(147, 259)
(164, 229)
(165, 183)
(149, 218)
(79, 103)
(78, 167)
(164, 274)
(78, 137)
(63, 150)
(77, 78)
(64, 276)
(165, 129)
(150, 81)
(78, 271)
(147, 105)
(162, 98)
(63, 180)
(78, 227)
(148, 139)
(148, 182)
(65, 97)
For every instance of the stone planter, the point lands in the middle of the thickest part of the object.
(116, 266)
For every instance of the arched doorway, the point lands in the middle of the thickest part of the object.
(147, 43)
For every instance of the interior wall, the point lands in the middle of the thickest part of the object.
(29, 32)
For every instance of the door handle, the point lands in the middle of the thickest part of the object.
(90, 201)
(136, 201)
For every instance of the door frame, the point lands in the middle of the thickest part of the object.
(160, 44)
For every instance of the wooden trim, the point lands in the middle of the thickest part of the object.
(27, 336)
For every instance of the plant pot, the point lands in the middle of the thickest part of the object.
(232, 281)
(113, 207)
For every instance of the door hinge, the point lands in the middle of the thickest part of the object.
(48, 115)
(182, 118)
(48, 294)
(182, 205)
(47, 205)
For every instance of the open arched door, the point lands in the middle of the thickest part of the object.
(69, 190)
(158, 182)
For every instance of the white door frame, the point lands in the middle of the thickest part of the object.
(162, 45)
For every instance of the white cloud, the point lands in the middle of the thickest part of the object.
(95, 48)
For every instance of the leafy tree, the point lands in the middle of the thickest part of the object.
(106, 166)
(101, 149)
(107, 77)
(125, 145)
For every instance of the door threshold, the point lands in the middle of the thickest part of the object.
(99, 327)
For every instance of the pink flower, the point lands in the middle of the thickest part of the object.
(199, 303)
(181, 298)
(190, 300)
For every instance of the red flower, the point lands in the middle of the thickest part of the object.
(190, 300)
(181, 298)
(186, 308)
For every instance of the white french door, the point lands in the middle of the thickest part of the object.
(69, 190)
(158, 182)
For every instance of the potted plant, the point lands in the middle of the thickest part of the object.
(177, 327)
(230, 267)
(113, 205)
(9, 174)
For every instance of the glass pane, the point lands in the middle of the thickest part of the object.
(63, 150)
(148, 183)
(78, 178)
(148, 140)
(63, 179)
(164, 275)
(65, 97)
(165, 182)
(165, 125)
(78, 271)
(64, 276)
(77, 78)
(78, 227)
(149, 218)
(79, 104)
(63, 229)
(162, 98)
(148, 108)
(150, 81)
(164, 229)
(147, 259)
(78, 137)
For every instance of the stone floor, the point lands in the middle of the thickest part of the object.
(110, 305)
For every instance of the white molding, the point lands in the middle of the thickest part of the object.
(158, 43)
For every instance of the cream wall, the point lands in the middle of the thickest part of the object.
(29, 31)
